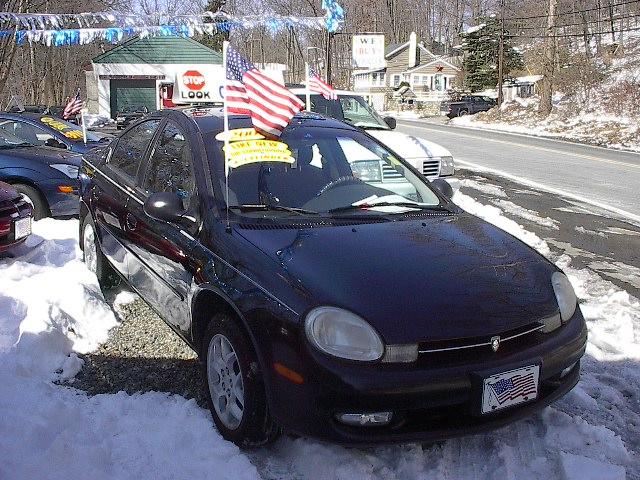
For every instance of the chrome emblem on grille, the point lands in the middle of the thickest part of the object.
(495, 343)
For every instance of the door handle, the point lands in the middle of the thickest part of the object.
(131, 221)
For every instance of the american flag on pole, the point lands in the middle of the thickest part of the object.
(73, 107)
(250, 92)
(518, 386)
(317, 85)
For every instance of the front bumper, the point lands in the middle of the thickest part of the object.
(430, 403)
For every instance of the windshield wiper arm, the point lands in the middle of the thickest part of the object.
(366, 206)
(276, 208)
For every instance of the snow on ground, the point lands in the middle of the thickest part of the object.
(51, 307)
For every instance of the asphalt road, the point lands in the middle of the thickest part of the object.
(594, 175)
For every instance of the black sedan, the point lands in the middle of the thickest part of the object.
(129, 115)
(322, 297)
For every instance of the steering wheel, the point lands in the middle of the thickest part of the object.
(337, 182)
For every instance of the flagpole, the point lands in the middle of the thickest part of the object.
(306, 82)
(225, 113)
(84, 126)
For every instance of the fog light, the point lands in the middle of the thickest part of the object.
(400, 353)
(365, 419)
(567, 370)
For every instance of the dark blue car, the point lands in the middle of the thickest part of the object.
(51, 131)
(47, 177)
(329, 289)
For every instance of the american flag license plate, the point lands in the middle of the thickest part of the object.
(510, 388)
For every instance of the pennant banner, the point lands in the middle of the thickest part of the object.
(58, 29)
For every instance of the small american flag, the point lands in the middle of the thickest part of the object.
(317, 85)
(518, 386)
(73, 107)
(250, 92)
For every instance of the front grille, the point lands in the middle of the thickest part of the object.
(431, 167)
(390, 173)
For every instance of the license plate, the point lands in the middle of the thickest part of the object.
(22, 228)
(510, 388)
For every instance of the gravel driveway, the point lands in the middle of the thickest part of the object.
(142, 354)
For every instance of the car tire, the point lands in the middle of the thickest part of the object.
(33, 196)
(235, 387)
(94, 258)
(463, 113)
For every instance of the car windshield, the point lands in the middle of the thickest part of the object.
(318, 171)
(352, 109)
(9, 140)
(69, 130)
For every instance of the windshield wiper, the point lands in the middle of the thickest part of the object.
(368, 206)
(274, 208)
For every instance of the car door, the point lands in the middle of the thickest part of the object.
(162, 268)
(114, 191)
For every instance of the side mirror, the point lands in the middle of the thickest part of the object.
(165, 206)
(52, 142)
(443, 187)
(391, 122)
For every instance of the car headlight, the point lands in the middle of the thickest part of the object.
(447, 166)
(119, 119)
(70, 171)
(367, 170)
(343, 334)
(566, 297)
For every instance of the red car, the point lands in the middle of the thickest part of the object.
(15, 217)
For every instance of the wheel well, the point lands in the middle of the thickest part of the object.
(29, 183)
(205, 305)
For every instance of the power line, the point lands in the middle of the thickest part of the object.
(566, 35)
(577, 12)
(636, 16)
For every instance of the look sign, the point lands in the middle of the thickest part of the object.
(196, 86)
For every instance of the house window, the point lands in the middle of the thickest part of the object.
(405, 77)
(425, 80)
(382, 78)
(396, 80)
(374, 79)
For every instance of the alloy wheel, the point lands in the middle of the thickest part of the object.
(90, 248)
(226, 386)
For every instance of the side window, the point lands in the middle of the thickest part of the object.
(169, 168)
(129, 150)
(25, 131)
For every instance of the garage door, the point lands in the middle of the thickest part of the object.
(130, 93)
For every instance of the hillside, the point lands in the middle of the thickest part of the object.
(599, 101)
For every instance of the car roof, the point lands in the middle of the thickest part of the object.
(214, 120)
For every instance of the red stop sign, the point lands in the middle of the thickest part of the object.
(193, 80)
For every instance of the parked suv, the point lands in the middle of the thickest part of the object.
(467, 105)
(321, 300)
(431, 159)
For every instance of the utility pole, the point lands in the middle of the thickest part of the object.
(501, 56)
(328, 59)
(546, 97)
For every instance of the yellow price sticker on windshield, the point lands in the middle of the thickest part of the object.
(257, 151)
(238, 134)
(73, 134)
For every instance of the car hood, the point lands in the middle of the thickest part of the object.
(49, 155)
(408, 146)
(438, 278)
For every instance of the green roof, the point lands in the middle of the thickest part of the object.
(160, 50)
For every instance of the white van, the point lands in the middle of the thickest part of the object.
(431, 159)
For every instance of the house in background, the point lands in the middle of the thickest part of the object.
(429, 76)
(521, 87)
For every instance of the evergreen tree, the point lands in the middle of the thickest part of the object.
(481, 47)
(214, 41)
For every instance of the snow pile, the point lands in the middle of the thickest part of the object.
(50, 308)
